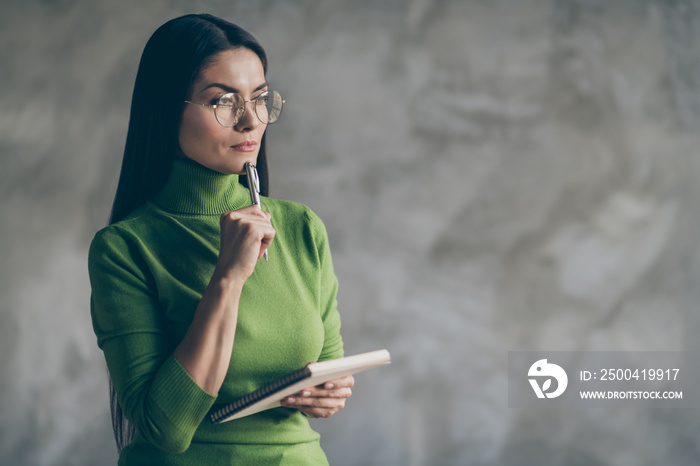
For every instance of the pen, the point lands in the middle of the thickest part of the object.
(254, 187)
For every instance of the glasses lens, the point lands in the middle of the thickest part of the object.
(229, 109)
(269, 106)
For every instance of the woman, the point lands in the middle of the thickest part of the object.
(186, 314)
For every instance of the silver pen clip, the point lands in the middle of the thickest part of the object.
(254, 187)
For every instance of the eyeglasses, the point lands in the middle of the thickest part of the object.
(230, 108)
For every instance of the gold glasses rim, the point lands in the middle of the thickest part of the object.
(254, 101)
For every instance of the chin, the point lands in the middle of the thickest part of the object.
(252, 159)
(227, 170)
(231, 166)
(228, 165)
(238, 168)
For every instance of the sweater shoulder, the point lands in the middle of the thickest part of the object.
(120, 235)
(283, 205)
(298, 210)
(297, 214)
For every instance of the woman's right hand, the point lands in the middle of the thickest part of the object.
(205, 351)
(245, 235)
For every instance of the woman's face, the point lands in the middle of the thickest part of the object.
(201, 137)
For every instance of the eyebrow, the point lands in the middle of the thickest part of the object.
(233, 89)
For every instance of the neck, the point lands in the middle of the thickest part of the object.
(195, 189)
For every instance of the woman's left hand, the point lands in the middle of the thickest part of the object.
(322, 400)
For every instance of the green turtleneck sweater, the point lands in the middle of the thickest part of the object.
(148, 273)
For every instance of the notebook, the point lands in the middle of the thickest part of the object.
(315, 373)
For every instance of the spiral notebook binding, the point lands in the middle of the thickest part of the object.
(264, 391)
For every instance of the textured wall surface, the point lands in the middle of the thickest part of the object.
(494, 175)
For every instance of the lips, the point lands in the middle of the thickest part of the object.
(247, 146)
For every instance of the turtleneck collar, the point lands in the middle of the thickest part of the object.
(195, 189)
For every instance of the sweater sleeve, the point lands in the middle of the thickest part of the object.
(328, 287)
(155, 392)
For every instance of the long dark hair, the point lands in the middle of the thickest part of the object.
(170, 63)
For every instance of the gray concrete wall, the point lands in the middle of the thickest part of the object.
(494, 176)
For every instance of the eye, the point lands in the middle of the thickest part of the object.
(261, 97)
(216, 100)
(226, 99)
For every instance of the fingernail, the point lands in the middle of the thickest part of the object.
(306, 393)
(329, 386)
(290, 399)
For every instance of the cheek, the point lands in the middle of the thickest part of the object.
(260, 131)
(195, 132)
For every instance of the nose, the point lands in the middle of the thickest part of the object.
(249, 121)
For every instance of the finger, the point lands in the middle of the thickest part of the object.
(266, 241)
(249, 230)
(312, 402)
(318, 412)
(343, 392)
(245, 215)
(242, 233)
(347, 381)
(252, 210)
(259, 227)
(258, 212)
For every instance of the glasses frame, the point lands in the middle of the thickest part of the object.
(254, 101)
